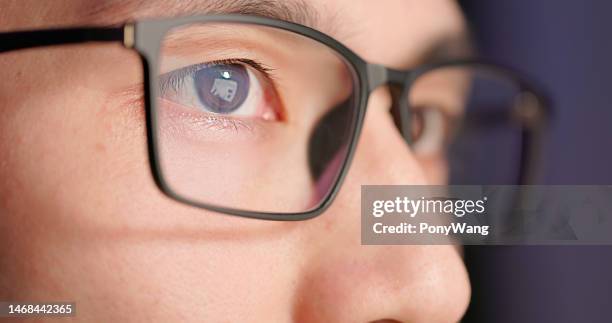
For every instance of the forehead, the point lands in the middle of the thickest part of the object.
(391, 32)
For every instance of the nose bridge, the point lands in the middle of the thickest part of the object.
(380, 75)
(345, 281)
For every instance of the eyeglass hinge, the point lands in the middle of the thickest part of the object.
(128, 35)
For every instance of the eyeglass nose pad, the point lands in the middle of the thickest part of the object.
(401, 111)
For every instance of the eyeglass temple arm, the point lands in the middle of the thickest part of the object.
(38, 38)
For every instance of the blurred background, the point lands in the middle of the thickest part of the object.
(566, 45)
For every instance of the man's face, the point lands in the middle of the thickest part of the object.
(82, 219)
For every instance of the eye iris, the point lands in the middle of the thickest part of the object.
(222, 88)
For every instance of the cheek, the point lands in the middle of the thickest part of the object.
(61, 143)
(65, 150)
(72, 148)
(84, 220)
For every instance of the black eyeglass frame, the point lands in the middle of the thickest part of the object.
(146, 36)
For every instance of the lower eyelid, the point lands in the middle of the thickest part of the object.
(187, 122)
(222, 123)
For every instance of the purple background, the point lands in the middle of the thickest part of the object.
(567, 46)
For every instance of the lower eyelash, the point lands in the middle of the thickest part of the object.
(222, 123)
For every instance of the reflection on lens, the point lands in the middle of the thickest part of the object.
(252, 118)
(223, 88)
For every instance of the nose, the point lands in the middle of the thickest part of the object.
(349, 282)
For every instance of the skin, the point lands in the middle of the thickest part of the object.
(83, 221)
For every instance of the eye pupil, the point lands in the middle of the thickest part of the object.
(222, 88)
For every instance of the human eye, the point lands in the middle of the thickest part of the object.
(241, 106)
(227, 92)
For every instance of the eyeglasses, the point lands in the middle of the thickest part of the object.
(259, 117)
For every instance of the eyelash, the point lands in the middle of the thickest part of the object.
(174, 79)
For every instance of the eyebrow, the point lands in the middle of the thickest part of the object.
(119, 11)
(108, 12)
